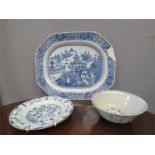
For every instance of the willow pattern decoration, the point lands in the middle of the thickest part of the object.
(75, 65)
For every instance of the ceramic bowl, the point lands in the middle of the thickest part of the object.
(118, 106)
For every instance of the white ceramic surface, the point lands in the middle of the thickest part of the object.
(40, 113)
(118, 106)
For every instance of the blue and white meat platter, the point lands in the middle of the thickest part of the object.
(75, 65)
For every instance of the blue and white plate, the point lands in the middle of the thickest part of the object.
(75, 65)
(40, 113)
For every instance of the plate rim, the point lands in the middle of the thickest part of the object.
(113, 57)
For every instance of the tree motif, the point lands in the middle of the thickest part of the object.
(86, 57)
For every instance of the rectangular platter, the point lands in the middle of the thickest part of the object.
(75, 65)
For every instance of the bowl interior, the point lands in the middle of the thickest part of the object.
(121, 103)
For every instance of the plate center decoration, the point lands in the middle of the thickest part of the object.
(43, 113)
(75, 66)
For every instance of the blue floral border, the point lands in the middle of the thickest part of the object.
(85, 36)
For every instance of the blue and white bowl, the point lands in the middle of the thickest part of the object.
(118, 106)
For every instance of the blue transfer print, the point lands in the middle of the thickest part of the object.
(43, 113)
(111, 70)
(72, 65)
(66, 80)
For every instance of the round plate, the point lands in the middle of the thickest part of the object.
(41, 113)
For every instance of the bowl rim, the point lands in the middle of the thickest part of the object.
(122, 92)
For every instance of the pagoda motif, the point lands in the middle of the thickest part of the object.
(73, 69)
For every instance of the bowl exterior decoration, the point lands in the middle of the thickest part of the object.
(116, 118)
